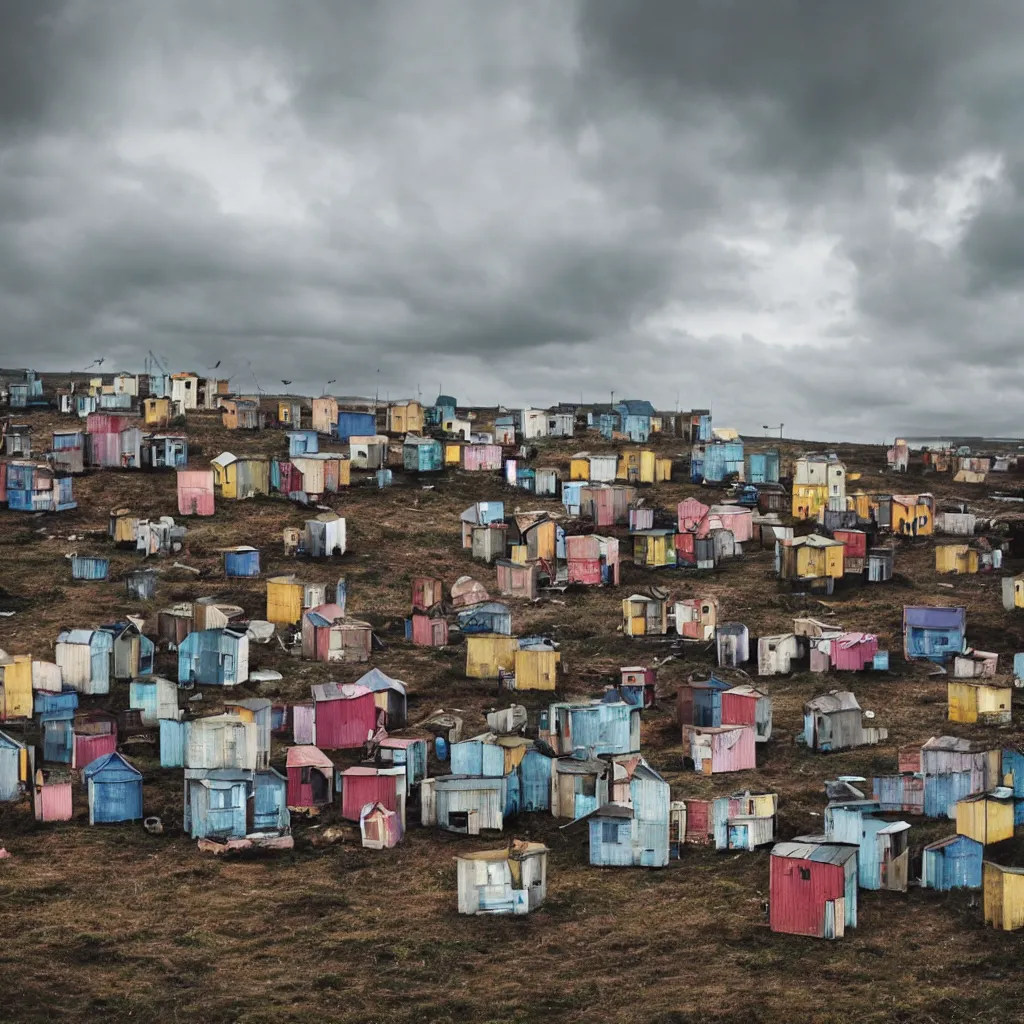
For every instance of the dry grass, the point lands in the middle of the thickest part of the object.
(111, 924)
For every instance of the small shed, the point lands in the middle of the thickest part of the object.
(427, 592)
(813, 888)
(156, 698)
(368, 451)
(975, 664)
(328, 636)
(535, 666)
(489, 542)
(362, 785)
(933, 634)
(302, 442)
(732, 640)
(853, 652)
(379, 827)
(1003, 896)
(985, 702)
(310, 779)
(427, 629)
(727, 748)
(54, 799)
(94, 734)
(468, 805)
(345, 715)
(467, 592)
(834, 722)
(16, 686)
(506, 881)
(114, 789)
(776, 654)
(214, 657)
(84, 657)
(515, 580)
(637, 685)
(646, 614)
(195, 492)
(241, 561)
(14, 768)
(422, 454)
(487, 654)
(986, 817)
(952, 863)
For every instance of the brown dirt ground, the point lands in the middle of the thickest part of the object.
(112, 924)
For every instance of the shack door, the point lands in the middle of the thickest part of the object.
(209, 667)
(437, 637)
(823, 732)
(637, 619)
(835, 918)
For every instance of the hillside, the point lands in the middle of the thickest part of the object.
(112, 924)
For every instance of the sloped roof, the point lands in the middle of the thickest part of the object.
(339, 691)
(924, 617)
(378, 681)
(308, 756)
(837, 700)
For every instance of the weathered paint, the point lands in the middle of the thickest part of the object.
(813, 889)
(114, 790)
(361, 786)
(54, 800)
(952, 863)
(195, 492)
(487, 654)
(1003, 896)
(985, 818)
(345, 715)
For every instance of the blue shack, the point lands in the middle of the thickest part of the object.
(444, 408)
(633, 834)
(241, 561)
(763, 467)
(270, 802)
(491, 617)
(478, 757)
(357, 424)
(214, 657)
(411, 754)
(303, 442)
(1012, 771)
(700, 702)
(164, 451)
(217, 802)
(535, 781)
(721, 460)
(422, 455)
(85, 568)
(14, 768)
(595, 727)
(952, 863)
(32, 488)
(141, 584)
(56, 713)
(883, 854)
(608, 424)
(933, 634)
(115, 789)
(635, 418)
(229, 803)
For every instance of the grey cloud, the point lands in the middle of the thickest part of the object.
(524, 203)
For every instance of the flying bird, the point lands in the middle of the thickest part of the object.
(334, 381)
(215, 365)
(286, 382)
(95, 362)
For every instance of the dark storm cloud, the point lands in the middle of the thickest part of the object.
(800, 212)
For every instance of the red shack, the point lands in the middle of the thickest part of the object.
(310, 779)
(855, 549)
(345, 715)
(813, 888)
(363, 785)
(95, 734)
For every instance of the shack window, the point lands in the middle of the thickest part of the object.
(588, 785)
(307, 775)
(609, 831)
(805, 874)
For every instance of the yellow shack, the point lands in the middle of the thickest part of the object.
(452, 453)
(1003, 896)
(536, 668)
(15, 686)
(913, 515)
(405, 418)
(980, 700)
(957, 558)
(662, 470)
(986, 817)
(579, 466)
(636, 466)
(156, 412)
(811, 557)
(808, 499)
(487, 653)
(241, 476)
(645, 615)
(288, 597)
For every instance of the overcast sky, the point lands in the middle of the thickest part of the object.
(800, 212)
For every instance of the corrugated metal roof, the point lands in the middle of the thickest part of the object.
(837, 700)
(377, 681)
(339, 691)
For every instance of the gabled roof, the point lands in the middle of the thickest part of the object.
(110, 762)
(636, 407)
(224, 459)
(812, 848)
(378, 681)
